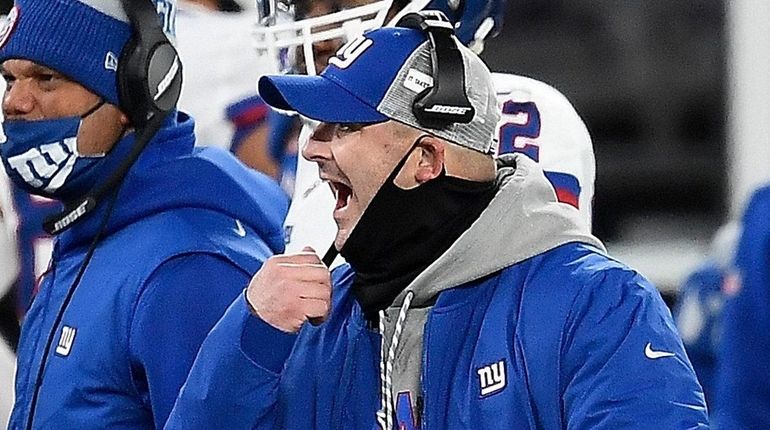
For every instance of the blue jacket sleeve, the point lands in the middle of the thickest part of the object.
(743, 377)
(623, 363)
(179, 305)
(234, 382)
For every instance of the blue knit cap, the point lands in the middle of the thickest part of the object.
(82, 40)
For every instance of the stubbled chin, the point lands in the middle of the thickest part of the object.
(346, 224)
(340, 239)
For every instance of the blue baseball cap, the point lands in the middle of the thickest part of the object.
(376, 77)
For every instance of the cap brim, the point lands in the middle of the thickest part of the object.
(316, 97)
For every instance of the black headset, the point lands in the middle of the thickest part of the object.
(149, 83)
(446, 102)
(149, 70)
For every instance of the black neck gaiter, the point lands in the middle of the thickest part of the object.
(402, 232)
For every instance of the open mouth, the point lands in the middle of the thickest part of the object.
(343, 194)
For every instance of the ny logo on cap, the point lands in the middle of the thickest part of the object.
(350, 52)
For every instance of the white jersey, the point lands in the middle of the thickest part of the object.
(536, 120)
(539, 121)
(220, 67)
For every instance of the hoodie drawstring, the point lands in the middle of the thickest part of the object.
(385, 414)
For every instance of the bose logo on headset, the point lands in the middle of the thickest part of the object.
(167, 80)
(451, 110)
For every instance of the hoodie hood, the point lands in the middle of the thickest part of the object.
(524, 219)
(172, 174)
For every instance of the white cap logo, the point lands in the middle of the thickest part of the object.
(111, 61)
(350, 52)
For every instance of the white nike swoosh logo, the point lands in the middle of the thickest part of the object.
(652, 354)
(239, 230)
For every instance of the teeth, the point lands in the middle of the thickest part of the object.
(342, 194)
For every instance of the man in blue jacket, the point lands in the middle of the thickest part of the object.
(743, 375)
(137, 282)
(471, 298)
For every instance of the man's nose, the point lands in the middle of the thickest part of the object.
(316, 150)
(318, 147)
(18, 100)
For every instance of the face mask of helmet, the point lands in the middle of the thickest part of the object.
(287, 44)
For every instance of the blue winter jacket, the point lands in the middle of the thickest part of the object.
(545, 332)
(743, 377)
(188, 230)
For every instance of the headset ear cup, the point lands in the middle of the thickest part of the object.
(149, 69)
(446, 102)
(411, 20)
(149, 83)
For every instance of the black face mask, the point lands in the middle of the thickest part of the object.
(402, 232)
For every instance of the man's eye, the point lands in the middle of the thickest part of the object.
(349, 127)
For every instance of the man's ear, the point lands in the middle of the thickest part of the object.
(431, 159)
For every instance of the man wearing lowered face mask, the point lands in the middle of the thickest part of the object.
(471, 298)
(151, 226)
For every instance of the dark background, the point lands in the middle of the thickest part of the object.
(648, 78)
